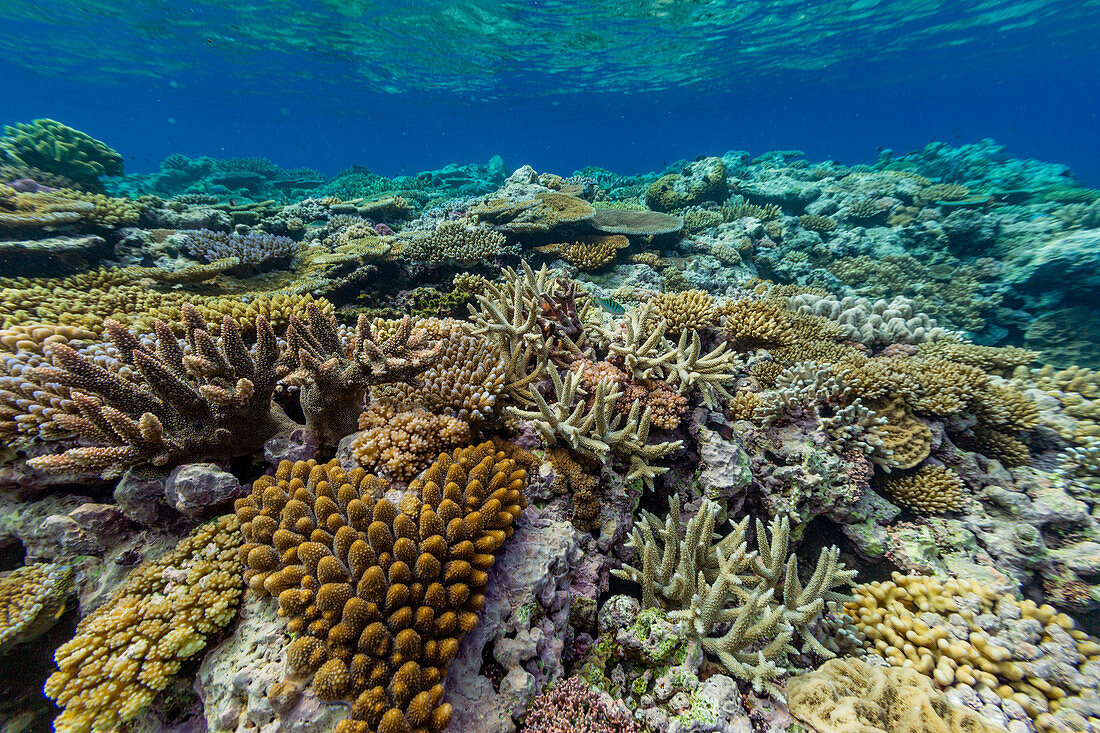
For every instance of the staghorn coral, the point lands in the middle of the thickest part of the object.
(124, 652)
(466, 382)
(56, 148)
(960, 632)
(32, 599)
(379, 595)
(214, 401)
(851, 696)
(335, 376)
(401, 444)
(251, 249)
(690, 309)
(454, 241)
(928, 490)
(754, 601)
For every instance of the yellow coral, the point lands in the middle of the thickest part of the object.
(690, 309)
(753, 323)
(32, 599)
(851, 696)
(126, 651)
(929, 490)
(401, 444)
(379, 595)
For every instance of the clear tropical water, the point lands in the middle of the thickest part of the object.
(401, 87)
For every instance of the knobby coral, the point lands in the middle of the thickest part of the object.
(32, 599)
(379, 595)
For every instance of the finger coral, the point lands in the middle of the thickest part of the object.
(745, 608)
(401, 444)
(335, 376)
(32, 599)
(929, 490)
(380, 595)
(960, 632)
(126, 651)
(851, 696)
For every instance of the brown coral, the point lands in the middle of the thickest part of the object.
(401, 444)
(126, 651)
(32, 599)
(928, 490)
(380, 594)
(591, 253)
(755, 323)
(334, 377)
(690, 309)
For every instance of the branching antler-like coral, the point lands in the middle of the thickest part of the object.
(334, 377)
(209, 401)
(745, 608)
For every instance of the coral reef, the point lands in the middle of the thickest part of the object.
(32, 599)
(56, 148)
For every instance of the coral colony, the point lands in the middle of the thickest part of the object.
(747, 444)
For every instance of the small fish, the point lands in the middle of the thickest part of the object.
(611, 306)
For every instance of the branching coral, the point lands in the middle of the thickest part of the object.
(380, 595)
(817, 223)
(591, 253)
(126, 651)
(754, 323)
(753, 600)
(929, 490)
(32, 599)
(571, 706)
(454, 241)
(401, 444)
(334, 377)
(251, 249)
(37, 210)
(57, 148)
(690, 309)
(851, 696)
(213, 401)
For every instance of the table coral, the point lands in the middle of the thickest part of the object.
(851, 696)
(401, 444)
(32, 599)
(380, 594)
(126, 651)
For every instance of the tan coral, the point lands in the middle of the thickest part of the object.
(906, 441)
(928, 490)
(32, 599)
(401, 444)
(851, 696)
(379, 595)
(755, 323)
(126, 651)
(690, 309)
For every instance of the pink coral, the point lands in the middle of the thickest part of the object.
(571, 706)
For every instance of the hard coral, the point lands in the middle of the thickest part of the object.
(745, 608)
(851, 696)
(572, 706)
(32, 599)
(212, 402)
(929, 490)
(691, 309)
(57, 148)
(401, 444)
(454, 241)
(124, 653)
(380, 594)
(334, 377)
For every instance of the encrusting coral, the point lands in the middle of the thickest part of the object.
(380, 595)
(753, 601)
(32, 599)
(851, 696)
(126, 651)
(334, 376)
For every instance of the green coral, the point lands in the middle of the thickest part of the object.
(57, 148)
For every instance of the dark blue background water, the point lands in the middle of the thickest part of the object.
(1040, 100)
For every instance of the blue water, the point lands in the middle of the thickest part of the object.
(401, 87)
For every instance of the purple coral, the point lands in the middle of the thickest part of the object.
(252, 249)
(571, 706)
